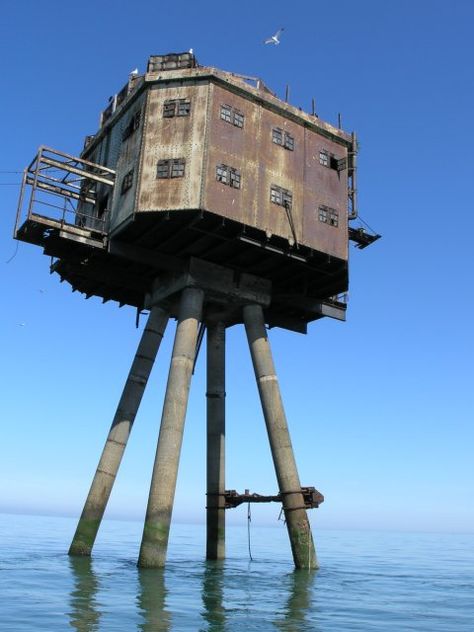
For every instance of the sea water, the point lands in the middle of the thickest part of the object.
(367, 581)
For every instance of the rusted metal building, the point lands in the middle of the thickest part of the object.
(204, 197)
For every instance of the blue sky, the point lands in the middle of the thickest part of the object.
(380, 408)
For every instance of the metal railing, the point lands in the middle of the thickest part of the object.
(66, 189)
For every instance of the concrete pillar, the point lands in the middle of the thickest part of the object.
(299, 530)
(119, 433)
(165, 471)
(215, 545)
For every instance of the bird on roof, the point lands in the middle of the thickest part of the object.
(274, 38)
(134, 71)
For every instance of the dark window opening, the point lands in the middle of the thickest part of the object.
(231, 115)
(228, 175)
(281, 196)
(127, 182)
(102, 208)
(331, 161)
(170, 168)
(176, 107)
(132, 126)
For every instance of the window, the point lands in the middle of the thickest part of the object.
(127, 182)
(277, 135)
(238, 119)
(132, 126)
(170, 168)
(328, 216)
(286, 140)
(169, 109)
(289, 142)
(222, 174)
(177, 168)
(231, 115)
(176, 107)
(226, 113)
(228, 175)
(333, 218)
(184, 107)
(280, 196)
(337, 164)
(330, 160)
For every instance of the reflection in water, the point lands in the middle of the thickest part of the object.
(299, 586)
(85, 613)
(152, 599)
(212, 596)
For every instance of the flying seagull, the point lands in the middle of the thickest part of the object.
(274, 38)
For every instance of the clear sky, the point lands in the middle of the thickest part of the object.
(380, 408)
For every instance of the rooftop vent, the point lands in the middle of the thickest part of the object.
(172, 61)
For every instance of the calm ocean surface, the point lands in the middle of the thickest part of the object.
(367, 581)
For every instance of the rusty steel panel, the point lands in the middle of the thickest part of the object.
(263, 163)
(327, 187)
(237, 148)
(123, 203)
(282, 168)
(178, 137)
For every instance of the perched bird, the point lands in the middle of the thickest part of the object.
(191, 52)
(134, 71)
(274, 38)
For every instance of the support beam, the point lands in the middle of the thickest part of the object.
(215, 543)
(165, 471)
(299, 529)
(119, 433)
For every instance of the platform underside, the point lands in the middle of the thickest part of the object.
(123, 266)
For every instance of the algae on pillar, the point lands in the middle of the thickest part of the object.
(299, 529)
(119, 433)
(165, 471)
(215, 546)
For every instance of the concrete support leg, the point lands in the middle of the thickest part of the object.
(165, 471)
(299, 530)
(215, 545)
(114, 448)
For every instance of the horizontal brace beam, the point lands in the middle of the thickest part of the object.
(58, 190)
(80, 172)
(311, 497)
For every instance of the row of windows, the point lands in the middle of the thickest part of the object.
(229, 114)
(174, 168)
